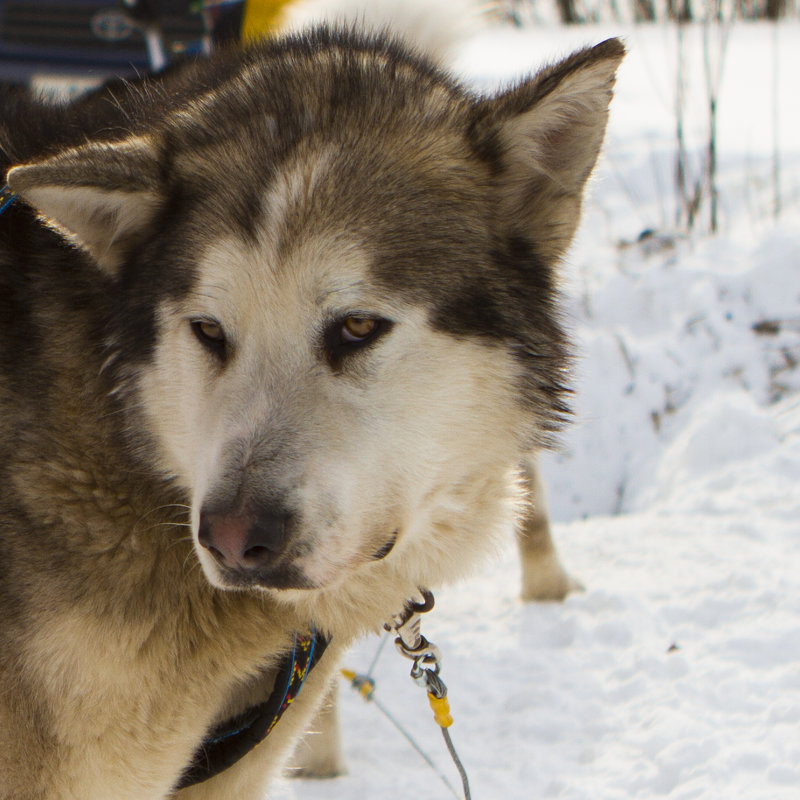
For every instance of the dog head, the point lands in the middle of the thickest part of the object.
(334, 304)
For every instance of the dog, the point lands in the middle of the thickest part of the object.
(279, 331)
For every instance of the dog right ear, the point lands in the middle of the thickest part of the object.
(100, 196)
(544, 136)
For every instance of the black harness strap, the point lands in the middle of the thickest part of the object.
(233, 739)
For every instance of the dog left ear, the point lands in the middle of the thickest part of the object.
(100, 196)
(544, 137)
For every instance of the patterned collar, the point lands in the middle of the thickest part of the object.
(233, 739)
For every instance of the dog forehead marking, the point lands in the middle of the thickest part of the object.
(301, 259)
(259, 285)
(287, 201)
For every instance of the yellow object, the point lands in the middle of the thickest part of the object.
(441, 710)
(365, 687)
(260, 18)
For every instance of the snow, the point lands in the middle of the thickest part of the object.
(676, 673)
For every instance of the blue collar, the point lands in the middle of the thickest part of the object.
(7, 197)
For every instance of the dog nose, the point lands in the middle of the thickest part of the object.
(245, 539)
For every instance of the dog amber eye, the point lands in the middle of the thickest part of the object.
(357, 329)
(210, 334)
(348, 335)
(210, 330)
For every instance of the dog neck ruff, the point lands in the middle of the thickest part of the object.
(233, 739)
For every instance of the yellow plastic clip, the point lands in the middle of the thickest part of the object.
(441, 710)
(365, 685)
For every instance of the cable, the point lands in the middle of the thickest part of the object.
(425, 673)
(425, 756)
(457, 761)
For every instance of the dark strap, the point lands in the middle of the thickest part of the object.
(233, 739)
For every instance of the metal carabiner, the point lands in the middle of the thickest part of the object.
(412, 609)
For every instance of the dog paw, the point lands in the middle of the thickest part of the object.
(544, 578)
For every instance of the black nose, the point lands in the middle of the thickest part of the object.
(249, 539)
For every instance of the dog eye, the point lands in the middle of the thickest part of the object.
(349, 334)
(358, 329)
(210, 335)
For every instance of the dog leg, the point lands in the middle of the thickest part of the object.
(543, 577)
(319, 752)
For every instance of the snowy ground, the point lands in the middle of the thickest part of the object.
(676, 673)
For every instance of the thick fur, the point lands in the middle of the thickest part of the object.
(196, 460)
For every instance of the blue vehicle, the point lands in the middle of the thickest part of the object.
(61, 47)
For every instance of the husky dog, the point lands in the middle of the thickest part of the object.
(277, 331)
